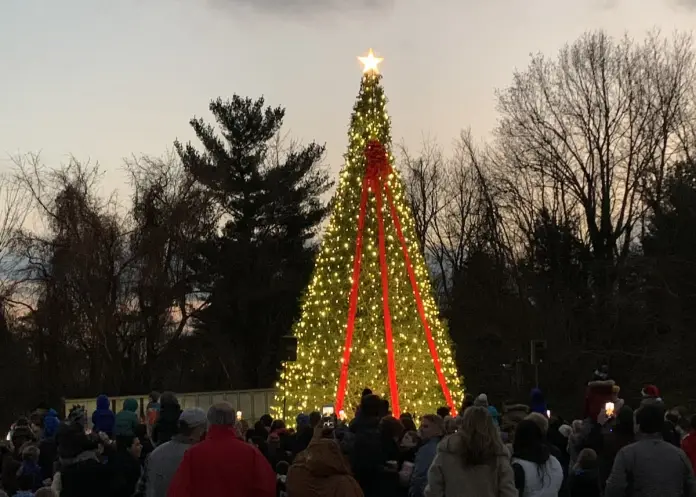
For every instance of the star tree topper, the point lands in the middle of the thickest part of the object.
(370, 62)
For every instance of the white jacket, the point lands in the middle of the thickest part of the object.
(544, 483)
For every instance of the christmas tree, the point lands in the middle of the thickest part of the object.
(369, 319)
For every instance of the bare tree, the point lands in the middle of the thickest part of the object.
(425, 176)
(170, 214)
(453, 205)
(591, 133)
(16, 206)
(73, 266)
(110, 293)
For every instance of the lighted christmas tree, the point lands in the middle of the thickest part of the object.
(369, 318)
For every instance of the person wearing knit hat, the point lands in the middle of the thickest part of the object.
(481, 400)
(650, 391)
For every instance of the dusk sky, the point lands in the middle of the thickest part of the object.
(104, 79)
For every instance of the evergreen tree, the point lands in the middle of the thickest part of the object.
(254, 270)
(315, 379)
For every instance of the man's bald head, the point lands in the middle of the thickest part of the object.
(222, 414)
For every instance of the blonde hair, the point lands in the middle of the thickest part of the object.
(481, 443)
(540, 421)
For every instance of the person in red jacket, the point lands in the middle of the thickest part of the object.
(223, 465)
(688, 445)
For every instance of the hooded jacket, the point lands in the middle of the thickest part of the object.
(322, 471)
(48, 448)
(51, 424)
(103, 418)
(448, 477)
(127, 419)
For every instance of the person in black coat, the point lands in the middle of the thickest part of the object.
(124, 466)
(87, 477)
(367, 457)
(167, 424)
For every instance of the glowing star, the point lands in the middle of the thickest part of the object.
(370, 62)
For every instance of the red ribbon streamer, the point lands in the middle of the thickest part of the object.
(419, 303)
(378, 168)
(353, 300)
(391, 362)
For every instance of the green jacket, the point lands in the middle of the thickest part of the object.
(127, 420)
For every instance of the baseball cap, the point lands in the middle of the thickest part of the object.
(193, 416)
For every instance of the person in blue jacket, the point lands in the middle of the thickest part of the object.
(103, 419)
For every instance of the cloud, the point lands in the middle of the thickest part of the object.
(306, 7)
(610, 4)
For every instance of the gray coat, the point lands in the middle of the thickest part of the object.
(161, 465)
(651, 467)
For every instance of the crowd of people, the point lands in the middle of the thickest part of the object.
(523, 450)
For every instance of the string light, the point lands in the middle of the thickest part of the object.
(310, 382)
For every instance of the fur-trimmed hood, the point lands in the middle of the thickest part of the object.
(603, 384)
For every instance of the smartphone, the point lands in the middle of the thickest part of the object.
(342, 415)
(548, 414)
(609, 408)
(239, 415)
(327, 410)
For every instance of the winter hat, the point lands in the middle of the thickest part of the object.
(50, 424)
(193, 417)
(302, 420)
(650, 391)
(481, 400)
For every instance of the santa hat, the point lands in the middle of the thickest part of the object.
(650, 391)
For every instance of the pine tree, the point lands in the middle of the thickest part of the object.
(255, 268)
(313, 380)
